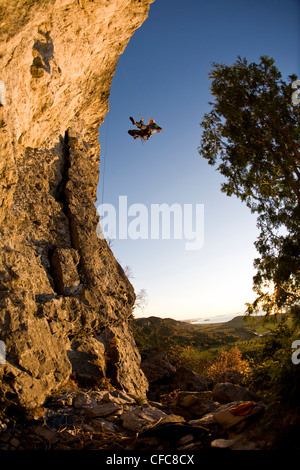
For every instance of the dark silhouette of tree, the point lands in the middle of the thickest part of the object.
(252, 135)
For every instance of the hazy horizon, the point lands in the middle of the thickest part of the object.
(201, 319)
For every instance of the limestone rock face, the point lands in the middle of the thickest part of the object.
(60, 285)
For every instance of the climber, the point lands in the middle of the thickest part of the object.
(146, 130)
(112, 356)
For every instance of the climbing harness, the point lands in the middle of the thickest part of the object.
(144, 131)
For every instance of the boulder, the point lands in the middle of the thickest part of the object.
(186, 379)
(228, 392)
(188, 399)
(105, 426)
(103, 410)
(114, 396)
(223, 443)
(84, 400)
(196, 403)
(157, 367)
(141, 417)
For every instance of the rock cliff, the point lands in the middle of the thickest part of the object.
(62, 293)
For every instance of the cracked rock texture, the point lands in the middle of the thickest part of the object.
(62, 293)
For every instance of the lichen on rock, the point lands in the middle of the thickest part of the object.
(62, 292)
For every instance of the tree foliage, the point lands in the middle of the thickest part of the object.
(252, 135)
(226, 364)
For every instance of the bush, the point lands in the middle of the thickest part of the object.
(228, 366)
(274, 376)
(188, 356)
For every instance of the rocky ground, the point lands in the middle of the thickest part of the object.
(205, 416)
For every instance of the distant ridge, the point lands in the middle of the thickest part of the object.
(155, 333)
(215, 319)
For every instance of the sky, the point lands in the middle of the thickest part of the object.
(163, 74)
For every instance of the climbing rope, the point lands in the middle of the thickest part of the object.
(131, 90)
(104, 156)
(108, 119)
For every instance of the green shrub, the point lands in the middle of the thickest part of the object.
(273, 374)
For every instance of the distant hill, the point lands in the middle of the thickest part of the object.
(162, 333)
(241, 321)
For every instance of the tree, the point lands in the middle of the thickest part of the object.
(252, 134)
(227, 364)
(141, 299)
